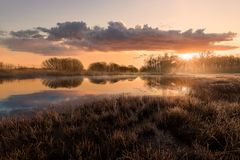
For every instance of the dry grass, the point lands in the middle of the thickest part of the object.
(218, 90)
(203, 125)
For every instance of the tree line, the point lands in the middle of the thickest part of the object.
(211, 64)
(74, 65)
(63, 64)
(161, 64)
(4, 66)
(111, 67)
(204, 63)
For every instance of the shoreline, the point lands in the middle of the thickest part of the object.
(41, 73)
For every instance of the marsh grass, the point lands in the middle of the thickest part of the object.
(202, 125)
(218, 90)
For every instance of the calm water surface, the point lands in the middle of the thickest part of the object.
(30, 94)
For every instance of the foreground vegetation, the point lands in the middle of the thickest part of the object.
(203, 125)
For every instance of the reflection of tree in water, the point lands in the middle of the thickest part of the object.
(97, 80)
(117, 79)
(167, 82)
(2, 81)
(131, 78)
(114, 80)
(104, 80)
(63, 82)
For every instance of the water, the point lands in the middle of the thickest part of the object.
(20, 96)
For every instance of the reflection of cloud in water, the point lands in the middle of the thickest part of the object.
(17, 103)
(28, 95)
(68, 82)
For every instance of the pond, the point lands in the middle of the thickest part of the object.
(26, 95)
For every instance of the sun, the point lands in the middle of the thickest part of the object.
(188, 56)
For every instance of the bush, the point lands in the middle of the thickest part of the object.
(98, 66)
(64, 64)
(111, 67)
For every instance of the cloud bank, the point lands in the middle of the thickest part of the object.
(71, 36)
(3, 33)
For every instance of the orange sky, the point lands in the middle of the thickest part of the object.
(30, 59)
(216, 16)
(125, 58)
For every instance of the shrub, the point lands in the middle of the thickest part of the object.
(64, 64)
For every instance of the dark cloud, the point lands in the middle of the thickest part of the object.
(29, 34)
(116, 37)
(119, 38)
(39, 46)
(67, 30)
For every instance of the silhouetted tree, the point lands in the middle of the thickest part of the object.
(161, 64)
(6, 66)
(98, 66)
(132, 68)
(64, 64)
(111, 67)
(206, 62)
(1, 65)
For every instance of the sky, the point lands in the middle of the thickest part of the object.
(127, 30)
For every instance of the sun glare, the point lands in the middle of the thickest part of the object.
(187, 56)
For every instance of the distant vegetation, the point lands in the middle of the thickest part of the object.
(204, 125)
(74, 65)
(211, 64)
(4, 66)
(64, 67)
(204, 63)
(160, 64)
(111, 67)
(64, 64)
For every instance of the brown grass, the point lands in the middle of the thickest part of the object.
(203, 125)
